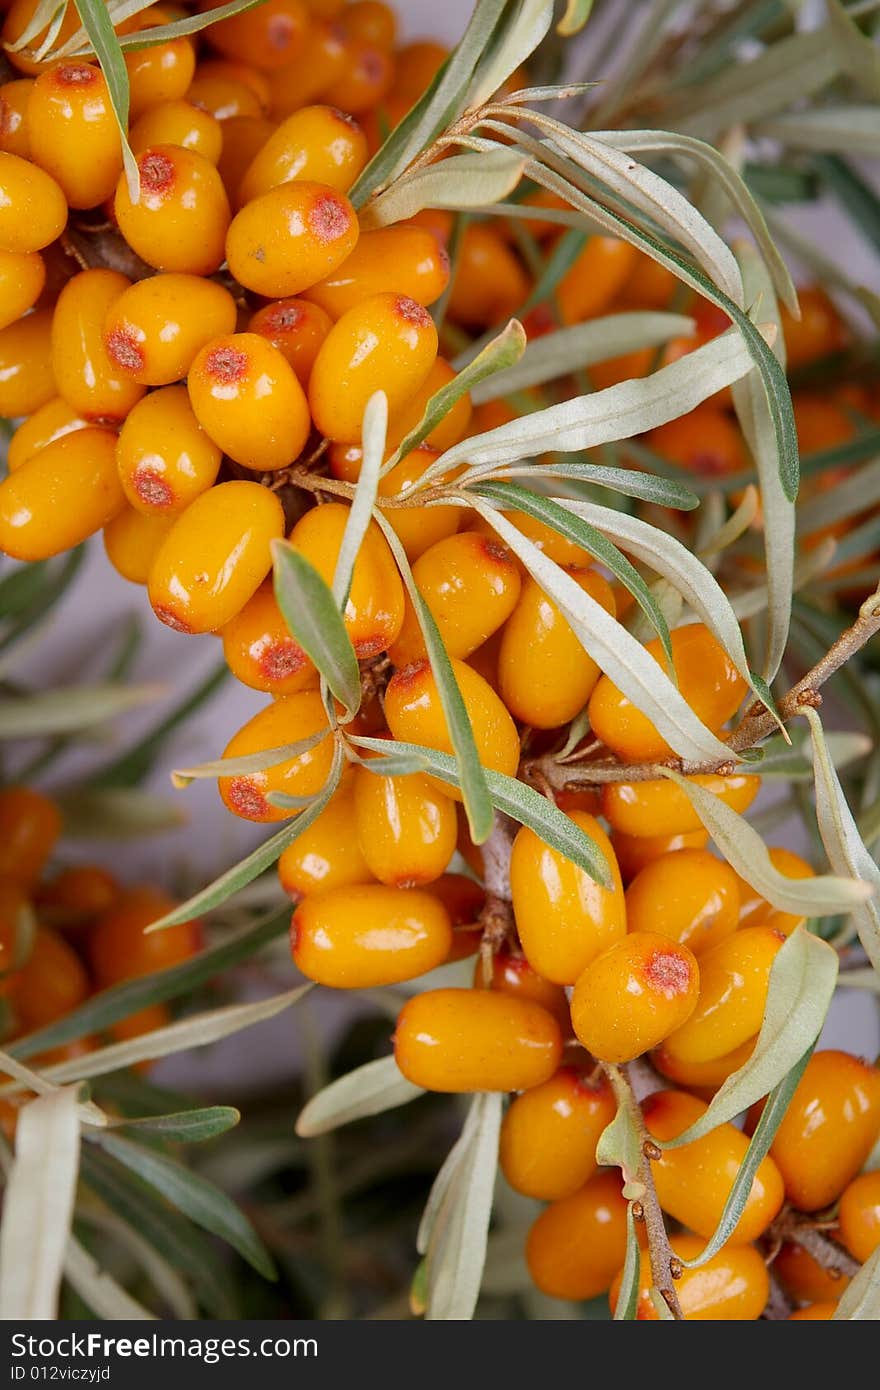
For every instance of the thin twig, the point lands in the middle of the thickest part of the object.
(496, 917)
(804, 1231)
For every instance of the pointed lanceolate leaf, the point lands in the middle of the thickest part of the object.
(99, 27)
(186, 1126)
(312, 615)
(369, 1090)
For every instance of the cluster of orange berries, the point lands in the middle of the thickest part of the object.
(68, 934)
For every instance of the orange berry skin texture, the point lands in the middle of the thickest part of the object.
(689, 896)
(165, 458)
(374, 609)
(178, 122)
(363, 935)
(317, 143)
(633, 852)
(813, 1312)
(601, 269)
(60, 496)
(818, 332)
(51, 983)
(386, 342)
(804, 1278)
(120, 947)
(267, 37)
(14, 97)
(261, 651)
(732, 1286)
(471, 585)
(26, 378)
(513, 975)
(132, 541)
(634, 995)
(289, 238)
(366, 78)
(180, 220)
(288, 720)
(243, 136)
(297, 329)
(22, 277)
(406, 829)
(160, 73)
(564, 917)
(489, 283)
(399, 259)
(577, 1245)
(734, 978)
(215, 557)
(756, 911)
(693, 1182)
(154, 329)
(87, 377)
(549, 1135)
(18, 16)
(448, 431)
(703, 1078)
(29, 826)
(76, 896)
(661, 807)
(245, 396)
(706, 442)
(47, 424)
(859, 1216)
(707, 680)
(461, 1040)
(73, 132)
(327, 854)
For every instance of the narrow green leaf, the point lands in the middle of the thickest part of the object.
(312, 615)
(628, 1294)
(50, 712)
(460, 181)
(375, 428)
(836, 129)
(619, 1147)
(369, 1090)
(99, 27)
(860, 1301)
(44, 13)
(186, 1126)
(664, 492)
(577, 12)
(527, 24)
(248, 762)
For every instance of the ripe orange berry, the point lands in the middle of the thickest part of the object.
(633, 852)
(813, 1312)
(406, 828)
(707, 679)
(475, 1040)
(75, 896)
(577, 1245)
(243, 136)
(689, 896)
(60, 496)
(818, 333)
(556, 547)
(564, 918)
(415, 715)
(73, 132)
(471, 585)
(261, 651)
(252, 77)
(297, 329)
(246, 398)
(160, 73)
(401, 259)
(178, 122)
(755, 911)
(418, 64)
(181, 217)
(545, 676)
(549, 1134)
(372, 21)
(706, 442)
(47, 424)
(595, 277)
(419, 528)
(732, 1286)
(132, 541)
(648, 285)
(14, 98)
(449, 430)
(288, 720)
(693, 1182)
(829, 1128)
(367, 75)
(289, 238)
(22, 277)
(859, 1216)
(634, 995)
(29, 826)
(165, 458)
(120, 947)
(19, 15)
(26, 379)
(734, 978)
(87, 377)
(512, 974)
(224, 97)
(266, 37)
(359, 936)
(374, 610)
(215, 557)
(51, 982)
(489, 283)
(316, 143)
(154, 329)
(387, 342)
(661, 807)
(327, 854)
(805, 1278)
(463, 899)
(320, 60)
(703, 1078)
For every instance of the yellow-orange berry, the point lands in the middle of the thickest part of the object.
(707, 680)
(449, 430)
(563, 916)
(224, 97)
(155, 327)
(703, 1078)
(387, 342)
(475, 1040)
(489, 282)
(87, 377)
(60, 496)
(247, 399)
(266, 37)
(30, 823)
(132, 541)
(52, 982)
(689, 896)
(14, 98)
(818, 332)
(813, 1312)
(662, 808)
(732, 1286)
(859, 1216)
(26, 378)
(297, 329)
(549, 1134)
(178, 122)
(252, 77)
(47, 424)
(633, 852)
(243, 136)
(215, 557)
(406, 829)
(318, 143)
(372, 21)
(418, 528)
(756, 911)
(594, 279)
(471, 585)
(73, 132)
(734, 979)
(805, 1278)
(362, 935)
(634, 995)
(180, 219)
(306, 77)
(288, 720)
(261, 651)
(20, 15)
(285, 240)
(367, 75)
(75, 896)
(374, 609)
(577, 1245)
(121, 948)
(402, 259)
(707, 441)
(165, 458)
(22, 277)
(327, 854)
(160, 73)
(512, 974)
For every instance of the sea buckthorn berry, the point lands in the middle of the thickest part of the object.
(418, 528)
(564, 917)
(471, 585)
(577, 1245)
(449, 430)
(406, 829)
(180, 220)
(317, 143)
(91, 381)
(16, 925)
(372, 21)
(160, 73)
(26, 379)
(732, 1286)
(297, 329)
(132, 541)
(327, 854)
(859, 1216)
(285, 240)
(464, 900)
(154, 329)
(706, 442)
(648, 285)
(813, 1312)
(243, 136)
(366, 78)
(246, 398)
(60, 496)
(404, 259)
(261, 651)
(50, 422)
(595, 278)
(165, 458)
(660, 807)
(549, 1134)
(19, 16)
(707, 680)
(178, 122)
(415, 715)
(387, 342)
(689, 896)
(417, 65)
(374, 609)
(121, 947)
(475, 1040)
(252, 77)
(633, 852)
(634, 995)
(734, 979)
(693, 1182)
(29, 826)
(76, 896)
(22, 277)
(756, 911)
(51, 983)
(703, 1078)
(545, 676)
(513, 975)
(288, 720)
(73, 132)
(362, 935)
(554, 546)
(804, 1278)
(266, 37)
(320, 60)
(14, 98)
(215, 557)
(224, 98)
(818, 333)
(488, 282)
(829, 1128)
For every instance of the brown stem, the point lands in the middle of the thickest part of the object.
(778, 1305)
(496, 917)
(825, 1251)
